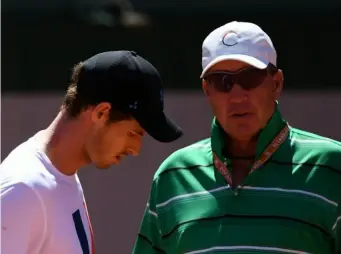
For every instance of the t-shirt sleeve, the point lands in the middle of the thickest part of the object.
(22, 219)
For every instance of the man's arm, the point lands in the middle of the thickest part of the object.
(22, 219)
(149, 238)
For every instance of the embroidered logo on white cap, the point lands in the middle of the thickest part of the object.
(230, 39)
(240, 41)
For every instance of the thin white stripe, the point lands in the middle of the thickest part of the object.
(291, 191)
(199, 193)
(247, 248)
(246, 188)
(311, 141)
(152, 213)
(336, 222)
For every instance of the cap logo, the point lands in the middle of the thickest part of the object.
(134, 105)
(230, 39)
(161, 95)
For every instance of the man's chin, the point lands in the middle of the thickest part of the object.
(104, 166)
(245, 134)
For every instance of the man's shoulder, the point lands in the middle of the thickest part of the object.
(23, 166)
(307, 139)
(196, 154)
(15, 190)
(322, 150)
(18, 186)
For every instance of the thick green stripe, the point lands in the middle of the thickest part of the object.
(316, 180)
(247, 232)
(283, 175)
(184, 180)
(263, 203)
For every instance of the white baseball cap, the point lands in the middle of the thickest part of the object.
(242, 41)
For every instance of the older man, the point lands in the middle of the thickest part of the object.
(257, 185)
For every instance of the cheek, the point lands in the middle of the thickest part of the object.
(105, 145)
(262, 100)
(93, 146)
(219, 103)
(114, 144)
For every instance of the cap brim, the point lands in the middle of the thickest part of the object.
(160, 127)
(243, 58)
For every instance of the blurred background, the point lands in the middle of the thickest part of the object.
(43, 39)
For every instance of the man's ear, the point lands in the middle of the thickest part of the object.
(205, 87)
(278, 84)
(101, 112)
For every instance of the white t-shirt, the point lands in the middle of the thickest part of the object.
(42, 210)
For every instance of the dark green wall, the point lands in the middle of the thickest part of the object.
(38, 50)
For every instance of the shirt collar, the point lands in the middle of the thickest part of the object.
(267, 134)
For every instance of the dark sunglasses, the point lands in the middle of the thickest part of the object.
(248, 78)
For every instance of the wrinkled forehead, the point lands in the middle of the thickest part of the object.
(229, 65)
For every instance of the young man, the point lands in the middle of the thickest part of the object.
(113, 99)
(257, 185)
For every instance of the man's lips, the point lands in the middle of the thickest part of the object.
(241, 115)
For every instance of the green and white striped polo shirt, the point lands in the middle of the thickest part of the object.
(289, 205)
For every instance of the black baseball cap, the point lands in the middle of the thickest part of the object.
(132, 85)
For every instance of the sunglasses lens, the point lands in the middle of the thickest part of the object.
(251, 78)
(221, 82)
(247, 79)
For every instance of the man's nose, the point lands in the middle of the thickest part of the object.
(237, 94)
(135, 151)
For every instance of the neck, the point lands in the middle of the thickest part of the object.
(62, 144)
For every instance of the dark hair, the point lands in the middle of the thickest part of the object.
(74, 102)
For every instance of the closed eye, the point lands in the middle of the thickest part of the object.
(132, 134)
(135, 134)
